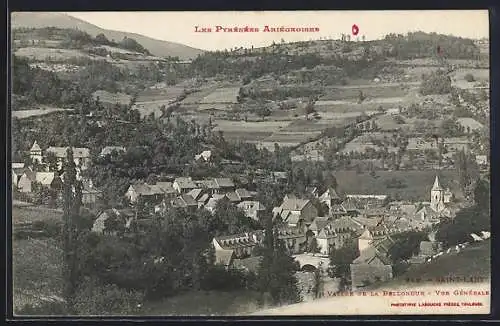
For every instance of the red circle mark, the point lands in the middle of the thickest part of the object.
(355, 29)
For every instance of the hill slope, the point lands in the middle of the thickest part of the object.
(60, 20)
(474, 261)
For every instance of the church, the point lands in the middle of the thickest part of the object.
(439, 206)
(440, 198)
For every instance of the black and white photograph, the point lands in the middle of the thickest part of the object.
(251, 163)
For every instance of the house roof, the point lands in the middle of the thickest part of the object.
(338, 209)
(250, 264)
(109, 149)
(231, 242)
(195, 193)
(243, 193)
(436, 185)
(17, 165)
(252, 204)
(143, 189)
(291, 217)
(318, 223)
(184, 200)
(369, 254)
(280, 175)
(61, 152)
(294, 204)
(224, 257)
(427, 212)
(428, 248)
(35, 147)
(185, 183)
(366, 235)
(165, 187)
(233, 196)
(208, 184)
(330, 194)
(205, 155)
(350, 204)
(224, 182)
(287, 232)
(212, 202)
(203, 199)
(45, 178)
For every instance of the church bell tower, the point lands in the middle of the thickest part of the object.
(437, 196)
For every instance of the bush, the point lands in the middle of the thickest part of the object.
(218, 278)
(436, 83)
(52, 228)
(469, 77)
(94, 298)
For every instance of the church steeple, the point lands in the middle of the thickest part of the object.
(437, 196)
(436, 185)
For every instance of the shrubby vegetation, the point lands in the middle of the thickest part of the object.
(424, 45)
(436, 83)
(469, 220)
(74, 38)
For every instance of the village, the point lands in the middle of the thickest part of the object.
(370, 220)
(242, 178)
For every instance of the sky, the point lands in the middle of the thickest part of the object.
(180, 26)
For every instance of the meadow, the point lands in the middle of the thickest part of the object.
(418, 183)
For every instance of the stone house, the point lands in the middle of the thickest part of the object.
(114, 218)
(110, 149)
(294, 238)
(252, 208)
(336, 234)
(184, 185)
(81, 156)
(294, 211)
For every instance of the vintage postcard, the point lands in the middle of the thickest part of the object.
(250, 163)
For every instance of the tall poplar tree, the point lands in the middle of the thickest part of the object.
(72, 201)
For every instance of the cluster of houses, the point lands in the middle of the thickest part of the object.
(27, 176)
(368, 220)
(184, 192)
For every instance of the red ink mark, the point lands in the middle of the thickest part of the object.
(355, 29)
(439, 50)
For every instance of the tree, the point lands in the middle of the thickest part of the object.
(51, 160)
(436, 83)
(263, 111)
(319, 282)
(95, 298)
(361, 96)
(313, 246)
(276, 275)
(101, 39)
(406, 245)
(72, 201)
(340, 261)
(309, 108)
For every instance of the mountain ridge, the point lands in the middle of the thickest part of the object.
(157, 47)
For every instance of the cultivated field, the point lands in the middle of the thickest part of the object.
(112, 98)
(27, 214)
(43, 54)
(163, 94)
(418, 183)
(23, 114)
(222, 95)
(376, 90)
